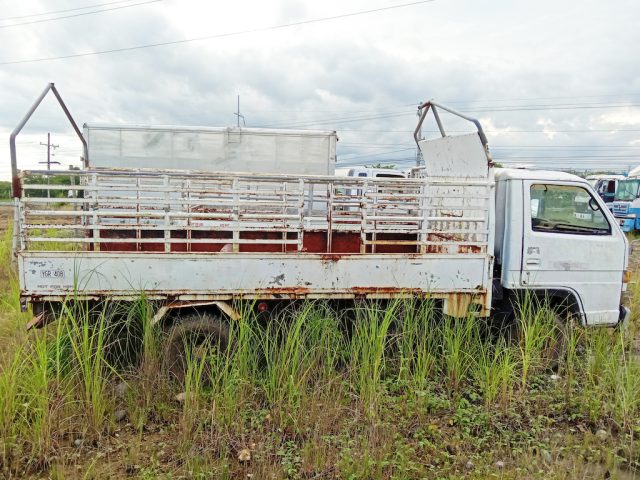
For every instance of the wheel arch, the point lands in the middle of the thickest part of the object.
(563, 300)
(168, 313)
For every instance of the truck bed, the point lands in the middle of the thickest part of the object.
(179, 235)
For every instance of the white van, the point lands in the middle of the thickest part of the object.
(375, 172)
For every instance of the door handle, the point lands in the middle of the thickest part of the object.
(533, 261)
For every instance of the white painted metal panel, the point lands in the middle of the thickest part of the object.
(94, 273)
(459, 156)
(250, 150)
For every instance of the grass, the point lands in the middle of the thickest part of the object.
(381, 391)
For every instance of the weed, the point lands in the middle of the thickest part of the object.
(459, 337)
(537, 329)
(367, 351)
(494, 371)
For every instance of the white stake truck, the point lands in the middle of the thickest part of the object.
(460, 231)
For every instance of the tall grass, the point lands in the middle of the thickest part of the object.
(278, 376)
(85, 329)
(11, 371)
(459, 337)
(574, 337)
(367, 351)
(494, 371)
(196, 362)
(416, 340)
(537, 331)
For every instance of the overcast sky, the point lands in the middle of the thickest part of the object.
(553, 82)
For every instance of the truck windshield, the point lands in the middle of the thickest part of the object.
(627, 190)
(566, 209)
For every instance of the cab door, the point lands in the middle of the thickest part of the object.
(571, 242)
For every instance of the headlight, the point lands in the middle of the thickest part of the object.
(631, 215)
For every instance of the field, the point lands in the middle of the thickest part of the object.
(377, 392)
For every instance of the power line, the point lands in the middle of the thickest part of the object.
(339, 120)
(523, 108)
(573, 147)
(608, 130)
(458, 102)
(18, 17)
(79, 14)
(348, 119)
(581, 158)
(502, 148)
(339, 114)
(468, 102)
(223, 35)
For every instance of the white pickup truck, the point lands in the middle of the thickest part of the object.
(459, 231)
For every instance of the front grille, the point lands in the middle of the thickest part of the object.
(620, 208)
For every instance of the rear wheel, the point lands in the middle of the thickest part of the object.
(191, 338)
(554, 344)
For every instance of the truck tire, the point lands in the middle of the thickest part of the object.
(554, 352)
(191, 332)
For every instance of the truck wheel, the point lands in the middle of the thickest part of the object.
(559, 342)
(191, 337)
(554, 351)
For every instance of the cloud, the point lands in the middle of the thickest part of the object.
(362, 76)
(622, 117)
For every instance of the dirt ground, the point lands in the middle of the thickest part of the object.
(6, 215)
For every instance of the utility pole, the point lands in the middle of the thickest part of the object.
(49, 146)
(419, 158)
(237, 114)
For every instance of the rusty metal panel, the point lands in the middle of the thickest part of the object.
(250, 275)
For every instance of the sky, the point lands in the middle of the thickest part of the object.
(555, 84)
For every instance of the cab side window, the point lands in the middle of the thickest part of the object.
(566, 209)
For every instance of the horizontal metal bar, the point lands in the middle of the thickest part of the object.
(159, 202)
(157, 189)
(388, 218)
(222, 176)
(391, 242)
(456, 219)
(161, 227)
(465, 243)
(162, 240)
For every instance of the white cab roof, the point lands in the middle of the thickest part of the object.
(605, 176)
(504, 174)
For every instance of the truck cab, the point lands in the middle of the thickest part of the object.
(547, 242)
(626, 204)
(605, 185)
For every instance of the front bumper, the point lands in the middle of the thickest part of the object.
(627, 223)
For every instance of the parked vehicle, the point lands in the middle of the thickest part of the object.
(366, 172)
(459, 231)
(626, 204)
(605, 185)
(371, 172)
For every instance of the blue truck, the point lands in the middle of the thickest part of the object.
(626, 204)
